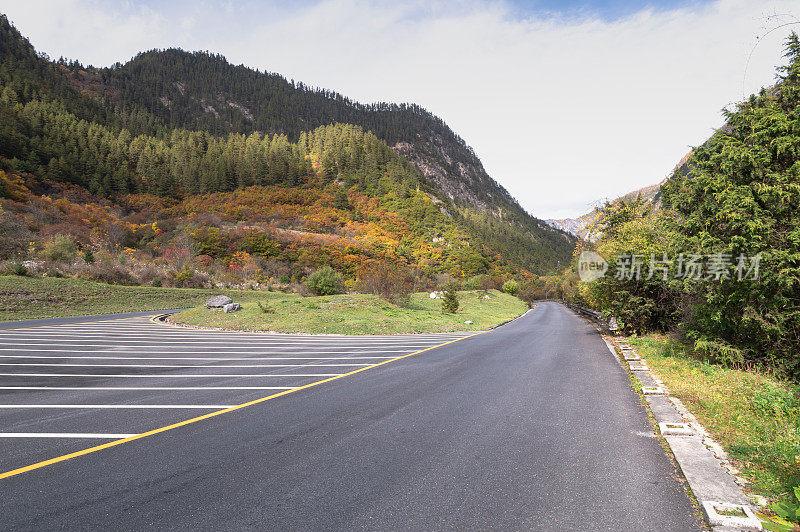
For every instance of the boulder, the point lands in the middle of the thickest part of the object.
(232, 307)
(218, 301)
(468, 322)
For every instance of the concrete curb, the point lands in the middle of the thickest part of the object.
(702, 460)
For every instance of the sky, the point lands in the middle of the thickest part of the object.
(567, 103)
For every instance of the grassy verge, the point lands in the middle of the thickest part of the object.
(24, 298)
(755, 417)
(357, 314)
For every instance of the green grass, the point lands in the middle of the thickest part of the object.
(357, 314)
(49, 297)
(24, 298)
(755, 417)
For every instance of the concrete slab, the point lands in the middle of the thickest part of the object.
(701, 459)
(708, 479)
(735, 516)
(646, 379)
(676, 429)
(663, 409)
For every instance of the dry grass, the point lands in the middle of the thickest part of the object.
(23, 298)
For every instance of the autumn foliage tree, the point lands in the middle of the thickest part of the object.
(388, 280)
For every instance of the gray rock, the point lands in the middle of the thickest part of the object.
(468, 322)
(232, 307)
(218, 301)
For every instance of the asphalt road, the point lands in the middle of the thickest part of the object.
(531, 426)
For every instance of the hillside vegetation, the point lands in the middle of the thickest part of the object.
(753, 415)
(170, 125)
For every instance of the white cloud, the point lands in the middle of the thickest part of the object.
(563, 111)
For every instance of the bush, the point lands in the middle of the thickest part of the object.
(450, 299)
(788, 511)
(511, 287)
(60, 249)
(476, 282)
(184, 276)
(107, 272)
(17, 268)
(530, 291)
(491, 282)
(325, 282)
(190, 278)
(284, 279)
(14, 235)
(88, 256)
(386, 280)
(157, 282)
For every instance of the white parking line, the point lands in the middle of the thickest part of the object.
(221, 359)
(134, 407)
(130, 376)
(115, 334)
(216, 338)
(193, 333)
(115, 343)
(136, 348)
(64, 435)
(94, 388)
(112, 333)
(148, 326)
(62, 365)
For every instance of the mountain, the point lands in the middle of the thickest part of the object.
(576, 226)
(172, 125)
(581, 226)
(202, 91)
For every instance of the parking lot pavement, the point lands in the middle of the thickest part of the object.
(66, 385)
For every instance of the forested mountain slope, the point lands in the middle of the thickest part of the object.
(186, 115)
(111, 157)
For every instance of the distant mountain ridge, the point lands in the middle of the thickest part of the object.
(581, 226)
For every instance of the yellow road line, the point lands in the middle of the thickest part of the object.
(114, 443)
